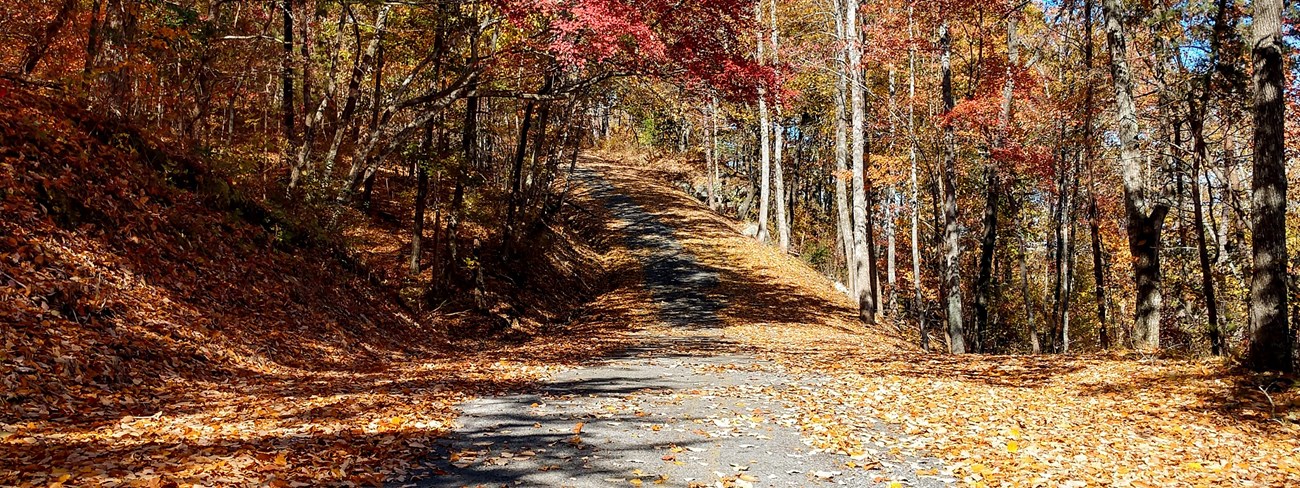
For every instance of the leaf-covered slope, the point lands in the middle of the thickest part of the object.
(118, 283)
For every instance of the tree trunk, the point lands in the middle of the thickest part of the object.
(516, 173)
(93, 37)
(891, 255)
(765, 143)
(312, 121)
(1089, 156)
(304, 57)
(873, 252)
(1145, 217)
(1034, 344)
(863, 266)
(951, 223)
(1200, 154)
(421, 195)
(921, 308)
(782, 221)
(778, 193)
(469, 148)
(376, 95)
(1270, 339)
(988, 243)
(713, 154)
(286, 81)
(842, 156)
(1066, 270)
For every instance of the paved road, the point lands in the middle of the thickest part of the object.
(656, 416)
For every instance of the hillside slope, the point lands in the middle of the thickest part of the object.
(156, 330)
(116, 280)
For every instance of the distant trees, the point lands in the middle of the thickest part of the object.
(1008, 109)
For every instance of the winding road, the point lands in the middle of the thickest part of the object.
(687, 410)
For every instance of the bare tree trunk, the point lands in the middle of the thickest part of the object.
(1145, 217)
(842, 155)
(1200, 154)
(891, 255)
(516, 173)
(890, 207)
(469, 150)
(1270, 338)
(921, 308)
(988, 244)
(863, 265)
(778, 183)
(765, 143)
(1034, 344)
(713, 154)
(312, 121)
(421, 195)
(304, 57)
(951, 223)
(782, 221)
(778, 186)
(286, 81)
(1066, 270)
(117, 35)
(873, 251)
(1089, 156)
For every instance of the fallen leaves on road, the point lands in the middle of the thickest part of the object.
(1077, 420)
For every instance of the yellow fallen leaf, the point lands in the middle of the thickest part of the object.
(1013, 446)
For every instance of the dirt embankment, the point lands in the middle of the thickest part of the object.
(156, 327)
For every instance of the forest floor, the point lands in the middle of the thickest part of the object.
(739, 344)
